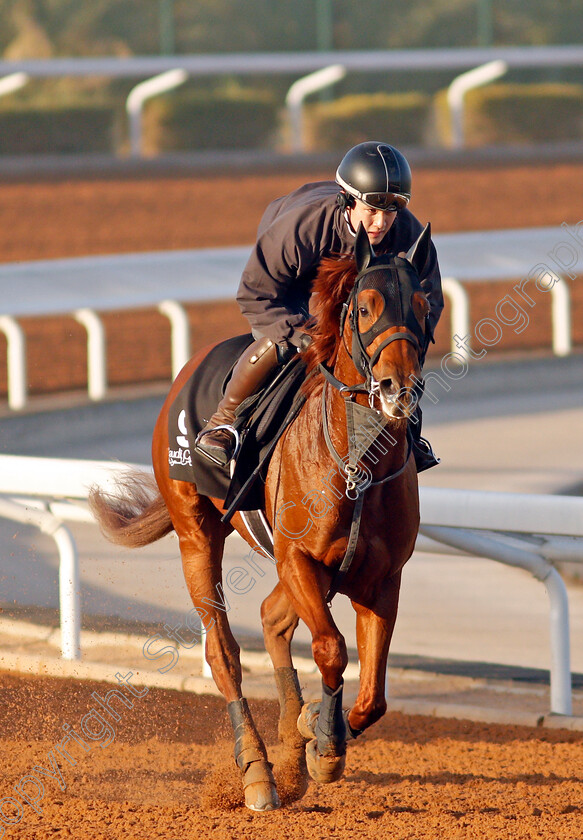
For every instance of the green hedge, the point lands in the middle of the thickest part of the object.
(56, 130)
(195, 120)
(399, 118)
(517, 113)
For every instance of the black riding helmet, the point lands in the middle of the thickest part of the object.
(377, 174)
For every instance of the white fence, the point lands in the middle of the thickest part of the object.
(155, 68)
(530, 532)
(450, 58)
(542, 260)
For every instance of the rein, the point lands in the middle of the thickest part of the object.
(351, 470)
(397, 280)
(364, 365)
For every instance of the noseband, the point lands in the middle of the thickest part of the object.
(395, 279)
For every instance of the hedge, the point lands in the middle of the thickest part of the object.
(517, 113)
(56, 130)
(195, 120)
(400, 119)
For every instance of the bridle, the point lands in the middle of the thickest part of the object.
(397, 292)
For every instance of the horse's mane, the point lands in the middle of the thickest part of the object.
(331, 287)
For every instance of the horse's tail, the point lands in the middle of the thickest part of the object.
(135, 514)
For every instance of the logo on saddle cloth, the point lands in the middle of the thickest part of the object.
(180, 456)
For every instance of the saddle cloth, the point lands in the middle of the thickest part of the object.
(260, 422)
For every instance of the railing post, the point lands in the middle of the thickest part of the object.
(294, 99)
(460, 86)
(484, 545)
(69, 594)
(138, 95)
(69, 584)
(96, 353)
(460, 313)
(180, 335)
(561, 314)
(16, 358)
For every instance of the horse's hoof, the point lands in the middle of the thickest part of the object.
(324, 768)
(260, 790)
(262, 796)
(292, 775)
(308, 719)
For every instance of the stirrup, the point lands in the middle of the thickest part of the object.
(229, 456)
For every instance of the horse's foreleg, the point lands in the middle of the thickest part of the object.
(279, 621)
(305, 584)
(374, 630)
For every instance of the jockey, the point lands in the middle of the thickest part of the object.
(372, 186)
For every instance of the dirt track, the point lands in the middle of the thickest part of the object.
(417, 778)
(162, 776)
(77, 216)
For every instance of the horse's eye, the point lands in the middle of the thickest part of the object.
(362, 310)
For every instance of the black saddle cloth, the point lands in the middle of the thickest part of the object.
(260, 421)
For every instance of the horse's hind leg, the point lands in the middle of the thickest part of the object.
(279, 621)
(202, 535)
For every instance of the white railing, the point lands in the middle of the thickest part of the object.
(220, 64)
(460, 87)
(544, 260)
(86, 287)
(140, 94)
(455, 59)
(46, 493)
(527, 531)
(298, 92)
(530, 532)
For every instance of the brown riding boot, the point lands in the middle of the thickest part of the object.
(217, 441)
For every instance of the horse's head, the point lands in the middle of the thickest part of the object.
(385, 322)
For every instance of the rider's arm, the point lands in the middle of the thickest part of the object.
(275, 287)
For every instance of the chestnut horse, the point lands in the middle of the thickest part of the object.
(363, 357)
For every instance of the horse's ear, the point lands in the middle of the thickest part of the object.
(363, 252)
(420, 306)
(419, 250)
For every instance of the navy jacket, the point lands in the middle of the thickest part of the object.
(296, 231)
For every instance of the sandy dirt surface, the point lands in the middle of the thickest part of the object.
(78, 216)
(164, 770)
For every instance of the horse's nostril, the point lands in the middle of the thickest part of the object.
(386, 385)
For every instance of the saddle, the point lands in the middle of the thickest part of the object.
(260, 421)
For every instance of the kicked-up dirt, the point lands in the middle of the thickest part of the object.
(164, 771)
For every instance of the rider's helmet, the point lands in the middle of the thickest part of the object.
(375, 173)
